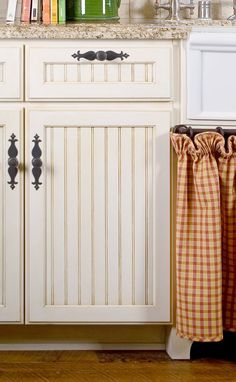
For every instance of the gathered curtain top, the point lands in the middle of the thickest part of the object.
(206, 143)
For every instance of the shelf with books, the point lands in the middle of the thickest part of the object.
(33, 11)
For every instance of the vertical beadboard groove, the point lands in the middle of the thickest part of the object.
(106, 213)
(151, 75)
(79, 210)
(119, 72)
(146, 218)
(65, 73)
(105, 72)
(3, 71)
(153, 71)
(146, 72)
(119, 222)
(45, 66)
(52, 216)
(65, 221)
(78, 73)
(132, 73)
(133, 212)
(92, 73)
(51, 72)
(93, 299)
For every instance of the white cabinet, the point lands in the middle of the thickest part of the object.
(11, 217)
(211, 60)
(91, 186)
(97, 225)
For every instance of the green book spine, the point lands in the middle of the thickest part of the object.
(61, 11)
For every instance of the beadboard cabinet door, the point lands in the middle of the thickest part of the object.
(97, 214)
(11, 217)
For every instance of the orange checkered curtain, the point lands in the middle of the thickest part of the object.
(205, 235)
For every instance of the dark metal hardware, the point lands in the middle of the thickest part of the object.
(13, 161)
(100, 55)
(36, 162)
(191, 132)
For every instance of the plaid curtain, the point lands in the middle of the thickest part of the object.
(205, 236)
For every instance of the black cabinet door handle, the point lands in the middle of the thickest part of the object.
(12, 161)
(101, 55)
(36, 162)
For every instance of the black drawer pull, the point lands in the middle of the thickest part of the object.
(12, 161)
(36, 162)
(101, 55)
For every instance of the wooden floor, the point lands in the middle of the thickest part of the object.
(70, 366)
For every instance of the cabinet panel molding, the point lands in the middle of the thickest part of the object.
(11, 72)
(95, 252)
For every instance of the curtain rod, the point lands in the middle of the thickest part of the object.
(191, 132)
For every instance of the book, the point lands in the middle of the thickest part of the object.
(54, 12)
(35, 10)
(11, 11)
(40, 11)
(46, 11)
(26, 11)
(18, 10)
(3, 10)
(61, 11)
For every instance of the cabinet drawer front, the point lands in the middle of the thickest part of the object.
(10, 73)
(54, 74)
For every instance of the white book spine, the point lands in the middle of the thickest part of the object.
(34, 10)
(11, 11)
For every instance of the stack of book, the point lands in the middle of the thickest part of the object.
(46, 11)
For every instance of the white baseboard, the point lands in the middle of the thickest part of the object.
(78, 346)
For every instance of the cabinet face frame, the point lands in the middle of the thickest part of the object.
(12, 222)
(126, 115)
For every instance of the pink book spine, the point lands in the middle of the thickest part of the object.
(46, 11)
(26, 9)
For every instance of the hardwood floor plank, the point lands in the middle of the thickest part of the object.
(71, 366)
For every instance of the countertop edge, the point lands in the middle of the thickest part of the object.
(95, 32)
(153, 30)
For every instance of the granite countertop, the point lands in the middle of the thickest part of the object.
(126, 30)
